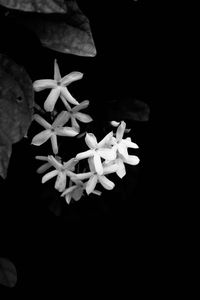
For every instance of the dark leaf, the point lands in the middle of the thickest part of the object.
(67, 33)
(40, 6)
(130, 109)
(5, 154)
(8, 273)
(16, 107)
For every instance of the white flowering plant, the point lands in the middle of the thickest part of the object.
(110, 155)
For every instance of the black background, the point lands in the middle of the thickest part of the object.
(119, 235)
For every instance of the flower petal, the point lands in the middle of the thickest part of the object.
(43, 168)
(106, 183)
(61, 119)
(60, 183)
(82, 176)
(121, 172)
(71, 77)
(81, 106)
(91, 140)
(52, 99)
(41, 121)
(132, 160)
(43, 84)
(85, 118)
(68, 198)
(68, 96)
(130, 144)
(70, 164)
(106, 153)
(77, 193)
(68, 190)
(54, 143)
(68, 107)
(90, 185)
(106, 140)
(41, 137)
(57, 75)
(91, 164)
(123, 150)
(114, 123)
(54, 162)
(96, 192)
(112, 168)
(66, 131)
(41, 157)
(98, 164)
(85, 154)
(49, 175)
(70, 174)
(120, 131)
(74, 123)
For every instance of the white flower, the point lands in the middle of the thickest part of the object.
(121, 144)
(116, 124)
(46, 165)
(120, 160)
(51, 131)
(73, 113)
(58, 87)
(94, 177)
(98, 150)
(73, 192)
(61, 171)
(76, 191)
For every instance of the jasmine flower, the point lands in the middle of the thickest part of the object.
(46, 165)
(121, 144)
(98, 150)
(51, 131)
(58, 87)
(94, 177)
(74, 113)
(76, 191)
(120, 161)
(73, 192)
(61, 171)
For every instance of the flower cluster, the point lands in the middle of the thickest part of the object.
(102, 158)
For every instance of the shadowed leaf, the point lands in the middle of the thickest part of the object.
(16, 103)
(130, 109)
(40, 6)
(8, 273)
(68, 33)
(5, 154)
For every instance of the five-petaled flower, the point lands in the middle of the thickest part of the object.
(51, 131)
(98, 151)
(62, 170)
(94, 177)
(74, 113)
(120, 161)
(76, 191)
(120, 144)
(47, 165)
(58, 87)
